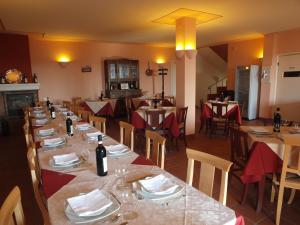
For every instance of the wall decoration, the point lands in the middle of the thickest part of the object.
(86, 69)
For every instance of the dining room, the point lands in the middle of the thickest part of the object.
(149, 112)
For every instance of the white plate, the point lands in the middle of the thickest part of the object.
(259, 130)
(52, 164)
(60, 143)
(178, 191)
(110, 210)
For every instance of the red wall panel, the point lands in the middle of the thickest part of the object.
(14, 54)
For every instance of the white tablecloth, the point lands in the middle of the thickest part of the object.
(193, 207)
(97, 105)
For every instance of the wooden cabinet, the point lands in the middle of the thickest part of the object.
(121, 78)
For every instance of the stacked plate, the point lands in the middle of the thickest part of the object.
(295, 130)
(117, 150)
(41, 122)
(83, 126)
(46, 132)
(145, 107)
(94, 136)
(53, 142)
(90, 207)
(66, 112)
(260, 131)
(38, 110)
(64, 161)
(39, 115)
(62, 109)
(158, 188)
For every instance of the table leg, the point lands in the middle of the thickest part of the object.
(261, 190)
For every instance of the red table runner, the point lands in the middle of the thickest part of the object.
(234, 113)
(140, 160)
(53, 181)
(262, 160)
(170, 123)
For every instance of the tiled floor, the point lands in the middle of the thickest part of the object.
(14, 171)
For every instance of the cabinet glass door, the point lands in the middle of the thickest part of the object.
(133, 70)
(123, 71)
(112, 71)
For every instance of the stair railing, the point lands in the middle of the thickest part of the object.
(222, 81)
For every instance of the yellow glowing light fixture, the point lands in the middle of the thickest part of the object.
(261, 54)
(186, 33)
(63, 60)
(160, 60)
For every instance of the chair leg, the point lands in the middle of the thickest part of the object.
(279, 204)
(273, 191)
(184, 138)
(291, 198)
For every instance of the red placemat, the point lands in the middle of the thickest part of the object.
(239, 220)
(53, 181)
(140, 160)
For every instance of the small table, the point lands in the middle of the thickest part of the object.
(138, 119)
(105, 107)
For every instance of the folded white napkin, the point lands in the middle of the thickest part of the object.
(62, 109)
(39, 115)
(74, 117)
(54, 141)
(90, 204)
(260, 130)
(83, 126)
(46, 131)
(94, 135)
(41, 121)
(159, 185)
(37, 107)
(35, 111)
(65, 159)
(66, 112)
(116, 149)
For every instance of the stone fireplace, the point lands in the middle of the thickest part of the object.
(14, 97)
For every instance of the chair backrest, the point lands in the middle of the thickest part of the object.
(170, 99)
(127, 134)
(76, 100)
(157, 155)
(218, 111)
(208, 165)
(67, 104)
(11, 212)
(181, 115)
(166, 102)
(129, 107)
(27, 134)
(35, 177)
(155, 118)
(84, 115)
(238, 145)
(98, 122)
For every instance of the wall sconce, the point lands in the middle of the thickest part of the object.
(63, 60)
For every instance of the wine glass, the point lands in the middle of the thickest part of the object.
(285, 123)
(120, 173)
(85, 155)
(129, 203)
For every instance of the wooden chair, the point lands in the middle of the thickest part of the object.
(35, 177)
(98, 122)
(67, 104)
(84, 115)
(129, 108)
(171, 99)
(127, 134)
(12, 210)
(40, 103)
(158, 148)
(154, 119)
(181, 120)
(219, 117)
(27, 134)
(76, 100)
(207, 172)
(285, 181)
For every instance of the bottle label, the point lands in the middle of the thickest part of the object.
(71, 130)
(105, 164)
(53, 115)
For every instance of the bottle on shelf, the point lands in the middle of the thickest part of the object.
(3, 81)
(25, 79)
(35, 80)
(277, 120)
(101, 158)
(48, 103)
(52, 110)
(69, 125)
(101, 96)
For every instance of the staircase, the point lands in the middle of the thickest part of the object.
(218, 87)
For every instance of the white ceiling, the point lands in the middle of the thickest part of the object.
(130, 20)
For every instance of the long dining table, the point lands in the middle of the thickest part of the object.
(190, 207)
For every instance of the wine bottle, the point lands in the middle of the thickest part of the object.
(277, 120)
(35, 80)
(48, 103)
(101, 158)
(101, 96)
(52, 110)
(69, 125)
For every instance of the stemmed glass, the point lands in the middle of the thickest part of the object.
(129, 203)
(120, 173)
(285, 123)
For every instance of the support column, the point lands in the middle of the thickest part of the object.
(186, 69)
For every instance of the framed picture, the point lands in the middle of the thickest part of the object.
(86, 69)
(124, 86)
